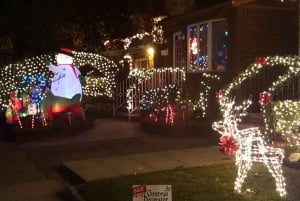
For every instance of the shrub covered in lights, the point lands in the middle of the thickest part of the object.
(12, 76)
(286, 118)
(159, 104)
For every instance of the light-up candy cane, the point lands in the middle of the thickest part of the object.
(15, 105)
(251, 146)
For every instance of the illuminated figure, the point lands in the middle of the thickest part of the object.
(12, 111)
(66, 90)
(251, 146)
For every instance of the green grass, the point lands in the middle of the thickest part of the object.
(209, 183)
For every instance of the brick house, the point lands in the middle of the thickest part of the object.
(223, 39)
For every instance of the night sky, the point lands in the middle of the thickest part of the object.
(31, 27)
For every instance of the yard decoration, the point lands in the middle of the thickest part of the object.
(65, 94)
(251, 145)
(12, 112)
(227, 145)
(26, 98)
(13, 76)
(158, 104)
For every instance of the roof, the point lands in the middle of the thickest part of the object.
(206, 13)
(219, 11)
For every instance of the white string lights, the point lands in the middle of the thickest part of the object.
(281, 123)
(11, 75)
(251, 146)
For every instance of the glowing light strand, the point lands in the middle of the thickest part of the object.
(95, 86)
(251, 145)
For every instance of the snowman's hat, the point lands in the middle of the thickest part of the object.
(66, 51)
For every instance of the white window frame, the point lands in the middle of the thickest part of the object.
(209, 42)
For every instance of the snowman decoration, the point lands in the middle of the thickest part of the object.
(66, 90)
(66, 82)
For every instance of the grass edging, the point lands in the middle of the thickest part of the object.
(209, 183)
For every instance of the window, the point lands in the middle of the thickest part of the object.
(141, 63)
(179, 50)
(207, 46)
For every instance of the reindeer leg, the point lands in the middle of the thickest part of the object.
(243, 168)
(276, 171)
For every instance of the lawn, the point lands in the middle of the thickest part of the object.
(209, 183)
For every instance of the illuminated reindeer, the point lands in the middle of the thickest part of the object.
(249, 143)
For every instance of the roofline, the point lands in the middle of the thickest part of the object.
(227, 4)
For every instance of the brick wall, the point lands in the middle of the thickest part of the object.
(261, 31)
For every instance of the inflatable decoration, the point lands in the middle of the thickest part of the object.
(43, 98)
(65, 94)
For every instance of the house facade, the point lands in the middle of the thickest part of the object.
(223, 39)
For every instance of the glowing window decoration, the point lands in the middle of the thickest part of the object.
(207, 46)
(194, 46)
(251, 146)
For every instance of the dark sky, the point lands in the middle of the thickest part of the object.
(35, 26)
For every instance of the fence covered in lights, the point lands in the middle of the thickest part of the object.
(20, 76)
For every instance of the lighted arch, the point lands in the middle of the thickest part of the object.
(254, 68)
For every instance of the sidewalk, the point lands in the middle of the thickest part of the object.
(102, 168)
(21, 180)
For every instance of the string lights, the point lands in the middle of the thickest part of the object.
(205, 89)
(248, 145)
(160, 102)
(254, 68)
(12, 75)
(286, 120)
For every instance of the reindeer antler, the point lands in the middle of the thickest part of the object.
(229, 109)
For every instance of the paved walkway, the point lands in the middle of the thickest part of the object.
(21, 180)
(107, 167)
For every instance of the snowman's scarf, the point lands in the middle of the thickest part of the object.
(74, 70)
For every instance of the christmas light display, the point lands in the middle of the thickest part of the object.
(144, 77)
(11, 75)
(205, 89)
(126, 42)
(160, 102)
(157, 30)
(254, 68)
(292, 64)
(286, 116)
(156, 36)
(249, 145)
(170, 115)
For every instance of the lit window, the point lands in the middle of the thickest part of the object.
(207, 46)
(141, 63)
